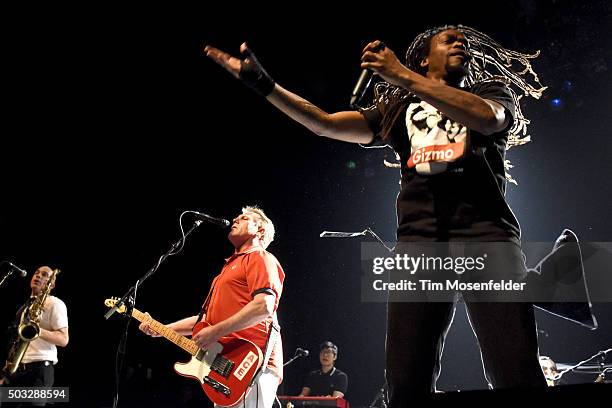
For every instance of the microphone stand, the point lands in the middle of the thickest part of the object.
(602, 366)
(294, 358)
(131, 293)
(380, 396)
(129, 299)
(9, 273)
(277, 403)
(602, 354)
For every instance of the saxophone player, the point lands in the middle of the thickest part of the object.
(36, 367)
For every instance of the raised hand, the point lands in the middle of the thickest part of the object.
(231, 64)
(248, 69)
(383, 61)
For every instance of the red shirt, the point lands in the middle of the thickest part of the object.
(241, 277)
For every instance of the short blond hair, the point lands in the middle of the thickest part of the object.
(264, 222)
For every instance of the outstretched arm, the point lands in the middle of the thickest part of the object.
(347, 126)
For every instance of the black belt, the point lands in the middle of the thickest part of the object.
(25, 366)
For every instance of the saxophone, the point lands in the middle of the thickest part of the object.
(29, 326)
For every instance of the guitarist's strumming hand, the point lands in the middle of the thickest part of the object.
(144, 327)
(206, 336)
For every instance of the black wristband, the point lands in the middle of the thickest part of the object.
(254, 76)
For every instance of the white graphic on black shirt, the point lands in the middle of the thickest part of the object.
(435, 140)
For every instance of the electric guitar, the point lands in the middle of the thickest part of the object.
(225, 369)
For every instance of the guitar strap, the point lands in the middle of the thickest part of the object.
(202, 311)
(273, 337)
(205, 304)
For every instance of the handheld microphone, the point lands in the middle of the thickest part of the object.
(364, 81)
(302, 352)
(22, 272)
(214, 220)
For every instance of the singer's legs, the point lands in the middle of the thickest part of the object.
(508, 342)
(415, 339)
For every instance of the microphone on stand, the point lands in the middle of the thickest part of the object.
(22, 272)
(299, 352)
(214, 220)
(12, 269)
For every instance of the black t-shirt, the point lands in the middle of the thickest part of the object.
(450, 189)
(322, 384)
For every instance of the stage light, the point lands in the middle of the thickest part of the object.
(351, 165)
(556, 103)
(567, 86)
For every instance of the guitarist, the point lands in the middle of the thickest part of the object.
(242, 300)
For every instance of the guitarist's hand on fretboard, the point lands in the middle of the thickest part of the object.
(144, 327)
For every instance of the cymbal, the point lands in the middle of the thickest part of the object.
(585, 368)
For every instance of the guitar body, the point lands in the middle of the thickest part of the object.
(225, 369)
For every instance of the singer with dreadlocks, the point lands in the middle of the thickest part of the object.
(456, 93)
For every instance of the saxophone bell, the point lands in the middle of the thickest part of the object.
(28, 330)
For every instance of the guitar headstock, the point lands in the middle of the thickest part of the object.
(112, 302)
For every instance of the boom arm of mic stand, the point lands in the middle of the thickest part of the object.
(292, 360)
(9, 273)
(132, 290)
(338, 234)
(601, 353)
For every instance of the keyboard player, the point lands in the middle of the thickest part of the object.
(328, 381)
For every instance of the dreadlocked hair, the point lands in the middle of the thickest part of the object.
(490, 62)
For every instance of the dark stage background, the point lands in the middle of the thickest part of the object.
(115, 123)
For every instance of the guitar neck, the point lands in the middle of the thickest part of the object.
(176, 338)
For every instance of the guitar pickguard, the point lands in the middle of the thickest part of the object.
(199, 366)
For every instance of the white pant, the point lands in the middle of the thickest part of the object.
(262, 393)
